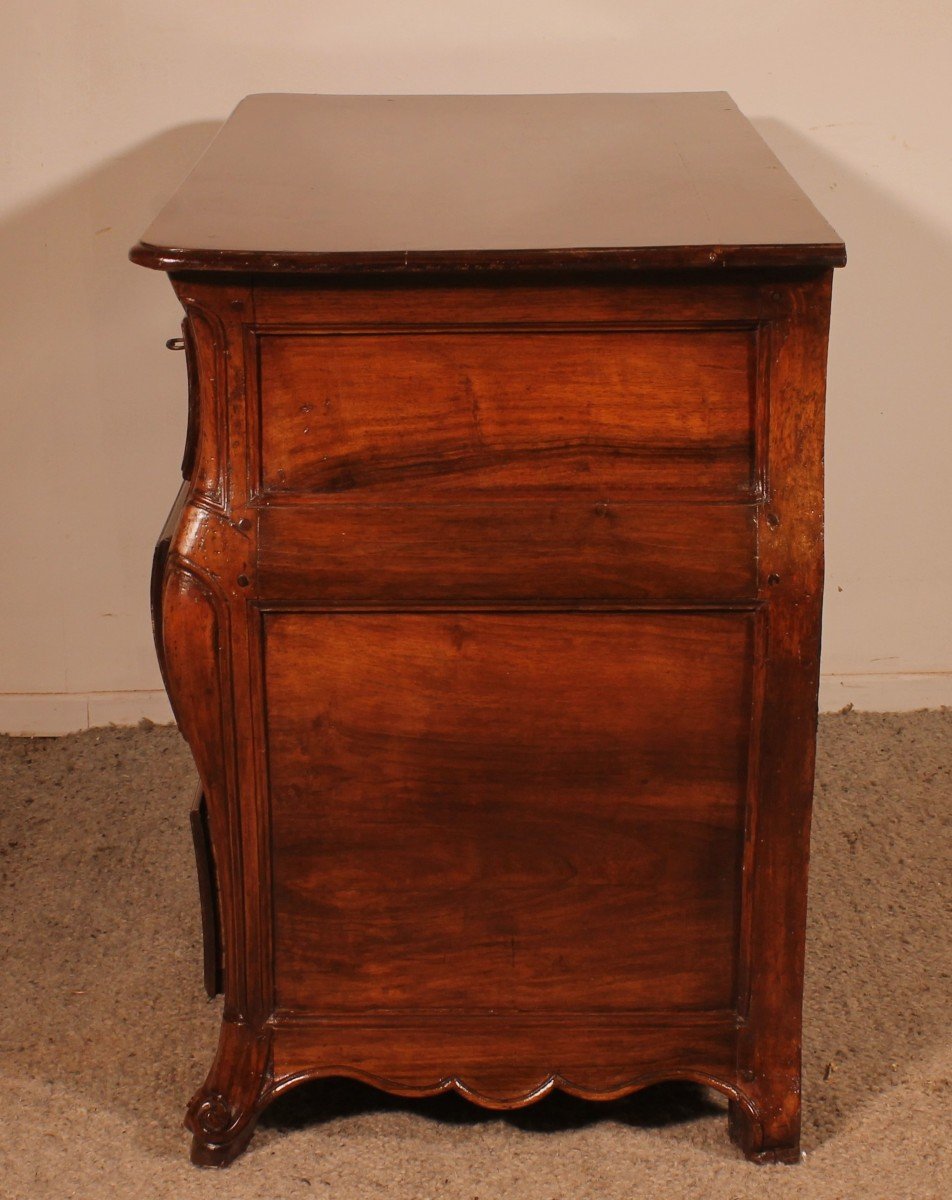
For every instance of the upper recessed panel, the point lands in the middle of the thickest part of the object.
(478, 412)
(350, 183)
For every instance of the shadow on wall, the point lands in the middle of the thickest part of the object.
(96, 408)
(889, 424)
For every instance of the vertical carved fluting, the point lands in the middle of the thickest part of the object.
(203, 580)
(194, 601)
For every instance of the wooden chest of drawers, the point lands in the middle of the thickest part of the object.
(490, 605)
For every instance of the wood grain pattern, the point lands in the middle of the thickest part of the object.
(505, 1061)
(511, 411)
(791, 568)
(537, 778)
(530, 552)
(499, 664)
(258, 554)
(661, 299)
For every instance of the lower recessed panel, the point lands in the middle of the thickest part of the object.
(507, 812)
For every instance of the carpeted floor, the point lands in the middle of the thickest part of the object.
(105, 1030)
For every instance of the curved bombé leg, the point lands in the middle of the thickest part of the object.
(193, 625)
(201, 586)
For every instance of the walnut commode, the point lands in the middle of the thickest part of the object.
(490, 605)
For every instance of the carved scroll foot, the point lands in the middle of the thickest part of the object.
(208, 1153)
(773, 1136)
(223, 1113)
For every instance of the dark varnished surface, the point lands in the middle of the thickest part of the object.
(421, 183)
(208, 897)
(490, 610)
(505, 1061)
(509, 411)
(508, 781)
(465, 811)
(570, 551)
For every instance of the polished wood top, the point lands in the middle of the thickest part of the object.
(424, 183)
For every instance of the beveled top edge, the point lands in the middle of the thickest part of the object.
(414, 184)
(660, 258)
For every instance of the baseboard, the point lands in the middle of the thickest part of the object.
(50, 714)
(886, 692)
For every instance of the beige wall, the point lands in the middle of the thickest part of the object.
(106, 103)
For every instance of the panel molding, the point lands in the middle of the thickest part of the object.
(659, 454)
(533, 553)
(666, 833)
